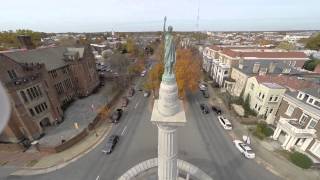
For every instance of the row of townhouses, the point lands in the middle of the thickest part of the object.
(40, 83)
(277, 91)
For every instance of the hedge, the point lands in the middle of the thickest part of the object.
(300, 160)
(262, 130)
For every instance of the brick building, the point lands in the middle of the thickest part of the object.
(40, 83)
(297, 122)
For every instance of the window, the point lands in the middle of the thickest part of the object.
(262, 96)
(24, 97)
(32, 92)
(259, 94)
(31, 112)
(256, 106)
(12, 74)
(37, 109)
(29, 93)
(303, 119)
(312, 123)
(310, 100)
(36, 91)
(251, 86)
(276, 98)
(39, 90)
(270, 99)
(300, 96)
(259, 108)
(289, 110)
(271, 110)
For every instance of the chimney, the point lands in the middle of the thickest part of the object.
(272, 67)
(25, 42)
(256, 67)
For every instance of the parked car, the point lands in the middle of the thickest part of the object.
(225, 123)
(204, 109)
(216, 110)
(124, 102)
(111, 143)
(203, 87)
(146, 94)
(115, 117)
(245, 149)
(131, 92)
(205, 94)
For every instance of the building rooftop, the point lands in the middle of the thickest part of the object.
(315, 92)
(260, 54)
(292, 96)
(52, 57)
(247, 67)
(273, 85)
(290, 82)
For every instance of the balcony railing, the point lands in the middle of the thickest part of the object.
(292, 127)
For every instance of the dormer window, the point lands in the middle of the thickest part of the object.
(300, 95)
(310, 100)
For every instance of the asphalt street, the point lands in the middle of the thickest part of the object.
(202, 142)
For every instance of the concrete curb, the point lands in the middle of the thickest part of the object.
(30, 171)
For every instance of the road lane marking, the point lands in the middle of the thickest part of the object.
(98, 177)
(124, 130)
(136, 105)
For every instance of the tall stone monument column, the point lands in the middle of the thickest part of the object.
(168, 114)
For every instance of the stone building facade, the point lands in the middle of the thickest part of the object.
(40, 82)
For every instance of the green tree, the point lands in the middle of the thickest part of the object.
(313, 42)
(286, 46)
(311, 64)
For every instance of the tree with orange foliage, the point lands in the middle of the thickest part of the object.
(187, 71)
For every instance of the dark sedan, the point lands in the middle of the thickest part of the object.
(204, 109)
(216, 110)
(116, 116)
(111, 143)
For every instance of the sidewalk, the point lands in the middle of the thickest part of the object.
(270, 159)
(59, 160)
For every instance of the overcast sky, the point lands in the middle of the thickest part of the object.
(147, 15)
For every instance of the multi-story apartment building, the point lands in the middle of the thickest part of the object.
(265, 91)
(218, 61)
(239, 75)
(297, 121)
(40, 82)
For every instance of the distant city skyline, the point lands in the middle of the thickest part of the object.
(143, 15)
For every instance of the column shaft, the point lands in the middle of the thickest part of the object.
(167, 153)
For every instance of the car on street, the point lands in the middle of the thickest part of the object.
(124, 102)
(245, 149)
(205, 94)
(115, 117)
(130, 92)
(111, 143)
(216, 110)
(204, 109)
(225, 123)
(203, 87)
